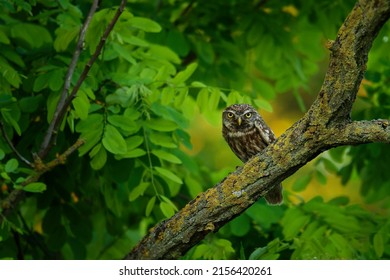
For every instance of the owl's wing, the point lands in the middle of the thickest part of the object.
(265, 132)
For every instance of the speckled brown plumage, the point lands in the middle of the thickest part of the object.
(247, 134)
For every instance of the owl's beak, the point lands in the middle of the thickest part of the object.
(239, 121)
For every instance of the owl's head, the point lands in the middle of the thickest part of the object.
(239, 117)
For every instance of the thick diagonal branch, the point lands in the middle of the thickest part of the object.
(327, 124)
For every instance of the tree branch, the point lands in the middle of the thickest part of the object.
(95, 55)
(327, 124)
(63, 107)
(51, 133)
(11, 145)
(40, 168)
(359, 132)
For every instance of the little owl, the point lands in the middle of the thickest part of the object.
(247, 134)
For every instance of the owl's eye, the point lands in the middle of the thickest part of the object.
(248, 115)
(230, 115)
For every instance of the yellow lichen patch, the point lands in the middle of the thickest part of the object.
(210, 227)
(291, 9)
(175, 224)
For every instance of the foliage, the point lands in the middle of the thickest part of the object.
(162, 65)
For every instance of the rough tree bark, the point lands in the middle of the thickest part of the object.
(327, 124)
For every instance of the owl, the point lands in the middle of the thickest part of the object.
(247, 134)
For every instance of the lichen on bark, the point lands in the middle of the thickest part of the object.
(327, 124)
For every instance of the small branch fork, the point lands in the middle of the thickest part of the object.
(66, 99)
(11, 145)
(40, 168)
(57, 117)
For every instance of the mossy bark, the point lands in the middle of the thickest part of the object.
(327, 124)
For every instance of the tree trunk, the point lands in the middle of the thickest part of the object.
(327, 124)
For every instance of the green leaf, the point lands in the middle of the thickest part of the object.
(91, 131)
(167, 209)
(133, 142)
(9, 117)
(35, 187)
(5, 176)
(81, 105)
(256, 254)
(194, 187)
(301, 183)
(2, 154)
(31, 35)
(293, 222)
(379, 245)
(215, 95)
(65, 36)
(99, 160)
(167, 200)
(56, 79)
(6, 100)
(113, 141)
(167, 95)
(169, 113)
(162, 52)
(168, 174)
(321, 178)
(138, 191)
(198, 84)
(264, 89)
(124, 122)
(184, 75)
(144, 24)
(164, 155)
(124, 53)
(4, 38)
(9, 73)
(300, 100)
(203, 99)
(234, 97)
(263, 104)
(41, 82)
(161, 125)
(240, 226)
(177, 41)
(135, 41)
(149, 206)
(133, 153)
(162, 140)
(11, 165)
(329, 165)
(205, 51)
(30, 104)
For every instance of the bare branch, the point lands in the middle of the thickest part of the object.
(40, 168)
(11, 145)
(51, 133)
(63, 107)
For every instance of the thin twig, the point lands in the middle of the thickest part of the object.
(7, 204)
(51, 133)
(93, 58)
(61, 110)
(9, 142)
